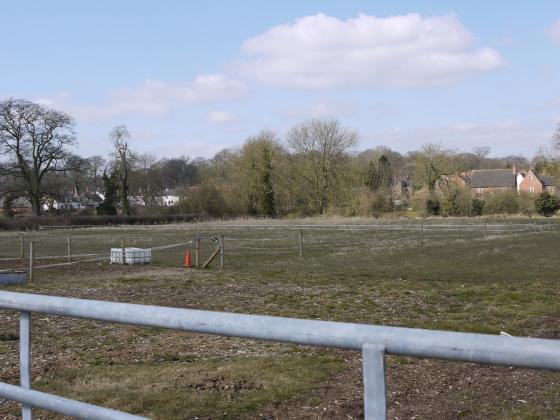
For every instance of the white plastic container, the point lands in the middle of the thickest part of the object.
(131, 256)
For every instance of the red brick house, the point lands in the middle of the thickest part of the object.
(491, 180)
(533, 183)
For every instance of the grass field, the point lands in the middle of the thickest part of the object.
(465, 277)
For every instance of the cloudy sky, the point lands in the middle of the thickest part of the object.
(194, 77)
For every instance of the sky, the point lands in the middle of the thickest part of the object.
(192, 78)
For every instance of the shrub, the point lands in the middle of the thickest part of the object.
(433, 206)
(381, 203)
(547, 204)
(477, 206)
(207, 200)
(501, 203)
(457, 203)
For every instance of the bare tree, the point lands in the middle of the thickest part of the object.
(323, 148)
(432, 162)
(120, 136)
(34, 142)
(96, 164)
(556, 139)
(481, 153)
(146, 178)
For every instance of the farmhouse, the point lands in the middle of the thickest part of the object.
(491, 180)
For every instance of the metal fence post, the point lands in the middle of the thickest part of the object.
(69, 246)
(300, 234)
(31, 261)
(485, 229)
(222, 251)
(21, 249)
(375, 402)
(422, 232)
(25, 359)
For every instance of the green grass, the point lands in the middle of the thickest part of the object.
(211, 389)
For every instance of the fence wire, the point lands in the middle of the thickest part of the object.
(170, 245)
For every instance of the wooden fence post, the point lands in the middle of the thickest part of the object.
(69, 245)
(549, 227)
(123, 251)
(196, 248)
(485, 229)
(300, 234)
(222, 251)
(422, 232)
(31, 261)
(21, 249)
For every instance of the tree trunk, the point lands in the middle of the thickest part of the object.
(35, 204)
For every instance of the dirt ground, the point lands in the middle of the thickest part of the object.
(490, 286)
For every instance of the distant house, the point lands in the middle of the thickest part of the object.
(92, 200)
(20, 206)
(170, 198)
(533, 183)
(136, 201)
(492, 180)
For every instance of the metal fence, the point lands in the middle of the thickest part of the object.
(373, 341)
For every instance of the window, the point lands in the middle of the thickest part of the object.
(480, 190)
(531, 189)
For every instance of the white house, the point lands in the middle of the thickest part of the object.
(170, 198)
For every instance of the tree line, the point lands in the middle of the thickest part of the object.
(315, 169)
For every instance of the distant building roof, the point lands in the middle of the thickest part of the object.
(548, 180)
(483, 178)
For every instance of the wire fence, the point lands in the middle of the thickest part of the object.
(169, 245)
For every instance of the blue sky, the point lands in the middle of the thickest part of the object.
(194, 77)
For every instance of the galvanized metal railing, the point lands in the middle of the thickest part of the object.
(373, 341)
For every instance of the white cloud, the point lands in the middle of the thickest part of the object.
(322, 109)
(504, 137)
(59, 98)
(220, 117)
(320, 51)
(554, 32)
(154, 97)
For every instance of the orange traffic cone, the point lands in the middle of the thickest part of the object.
(188, 259)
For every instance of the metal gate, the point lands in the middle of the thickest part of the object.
(373, 341)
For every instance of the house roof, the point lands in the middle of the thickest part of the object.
(493, 178)
(548, 180)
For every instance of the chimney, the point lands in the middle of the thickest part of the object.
(514, 169)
